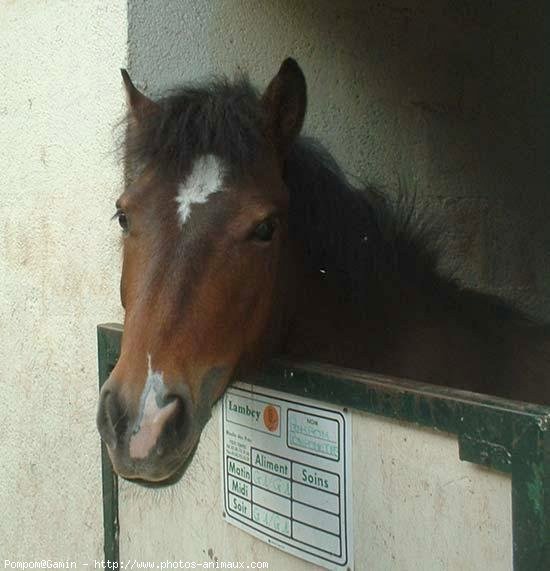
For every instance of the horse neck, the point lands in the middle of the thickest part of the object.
(324, 323)
(387, 326)
(422, 334)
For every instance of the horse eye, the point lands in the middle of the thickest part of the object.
(264, 231)
(122, 219)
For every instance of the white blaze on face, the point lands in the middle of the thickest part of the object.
(205, 178)
(152, 417)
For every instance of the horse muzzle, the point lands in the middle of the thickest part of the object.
(152, 441)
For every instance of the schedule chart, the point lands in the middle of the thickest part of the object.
(285, 477)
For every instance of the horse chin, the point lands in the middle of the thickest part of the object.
(170, 480)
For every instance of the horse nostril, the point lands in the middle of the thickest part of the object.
(179, 423)
(111, 419)
(162, 425)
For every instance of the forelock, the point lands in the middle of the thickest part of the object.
(220, 118)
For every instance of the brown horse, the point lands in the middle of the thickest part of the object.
(243, 240)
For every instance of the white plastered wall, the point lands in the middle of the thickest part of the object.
(60, 96)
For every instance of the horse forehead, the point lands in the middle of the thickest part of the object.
(204, 180)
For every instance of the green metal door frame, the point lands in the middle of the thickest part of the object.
(507, 436)
(108, 347)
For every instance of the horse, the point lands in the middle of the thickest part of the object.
(243, 239)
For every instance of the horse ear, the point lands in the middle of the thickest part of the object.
(284, 102)
(140, 104)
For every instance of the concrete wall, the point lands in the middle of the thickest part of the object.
(448, 97)
(60, 95)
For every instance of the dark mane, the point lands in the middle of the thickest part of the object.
(374, 248)
(357, 233)
(367, 242)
